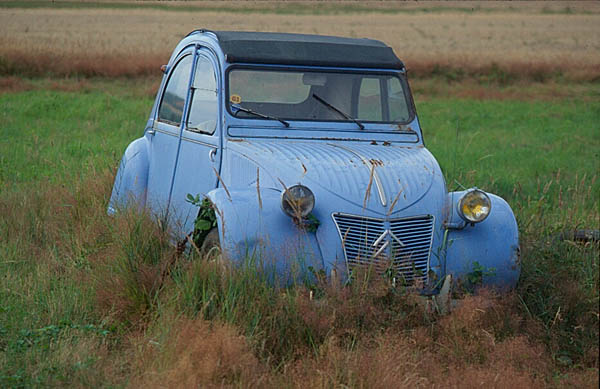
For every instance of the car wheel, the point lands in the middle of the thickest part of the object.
(211, 247)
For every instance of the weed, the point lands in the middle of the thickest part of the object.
(475, 277)
(206, 219)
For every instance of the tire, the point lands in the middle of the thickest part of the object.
(211, 247)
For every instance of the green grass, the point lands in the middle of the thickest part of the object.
(50, 133)
(503, 145)
(87, 300)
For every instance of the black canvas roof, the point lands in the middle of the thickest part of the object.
(311, 50)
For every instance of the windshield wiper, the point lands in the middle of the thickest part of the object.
(240, 108)
(345, 115)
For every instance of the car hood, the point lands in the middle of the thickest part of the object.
(376, 177)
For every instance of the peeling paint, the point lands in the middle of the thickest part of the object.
(258, 188)
(222, 183)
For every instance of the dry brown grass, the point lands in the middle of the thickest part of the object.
(13, 84)
(464, 350)
(197, 354)
(109, 42)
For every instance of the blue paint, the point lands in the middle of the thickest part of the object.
(382, 176)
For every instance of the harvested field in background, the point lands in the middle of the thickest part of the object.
(521, 42)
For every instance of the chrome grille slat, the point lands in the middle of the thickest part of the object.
(412, 245)
(414, 230)
(410, 259)
(417, 220)
(412, 242)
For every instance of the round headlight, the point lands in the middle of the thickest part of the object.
(474, 206)
(297, 201)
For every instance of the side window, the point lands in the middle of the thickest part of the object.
(398, 106)
(171, 106)
(369, 100)
(204, 106)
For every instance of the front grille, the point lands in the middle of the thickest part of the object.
(400, 245)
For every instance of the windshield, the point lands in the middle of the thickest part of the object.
(321, 96)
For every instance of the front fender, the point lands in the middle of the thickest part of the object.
(493, 244)
(132, 178)
(255, 228)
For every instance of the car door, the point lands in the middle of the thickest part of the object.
(199, 156)
(165, 134)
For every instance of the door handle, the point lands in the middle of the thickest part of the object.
(151, 131)
(211, 154)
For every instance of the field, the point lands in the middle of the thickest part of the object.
(88, 300)
(549, 40)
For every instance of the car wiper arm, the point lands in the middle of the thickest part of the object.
(261, 115)
(345, 115)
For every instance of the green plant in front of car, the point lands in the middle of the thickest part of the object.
(311, 223)
(478, 272)
(206, 219)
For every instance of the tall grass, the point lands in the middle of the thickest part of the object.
(92, 300)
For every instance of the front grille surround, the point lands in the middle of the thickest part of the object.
(369, 241)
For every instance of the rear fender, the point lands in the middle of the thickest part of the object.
(131, 180)
(255, 228)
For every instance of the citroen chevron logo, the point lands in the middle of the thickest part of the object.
(381, 243)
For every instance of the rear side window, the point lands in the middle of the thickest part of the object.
(204, 105)
(171, 106)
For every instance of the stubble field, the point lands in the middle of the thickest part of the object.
(538, 42)
(91, 300)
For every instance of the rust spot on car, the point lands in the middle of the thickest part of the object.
(394, 202)
(368, 191)
(222, 183)
(238, 140)
(386, 143)
(303, 167)
(376, 162)
(258, 187)
(336, 139)
(374, 143)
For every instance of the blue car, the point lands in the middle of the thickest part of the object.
(309, 151)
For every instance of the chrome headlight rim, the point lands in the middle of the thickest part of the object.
(469, 195)
(301, 211)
